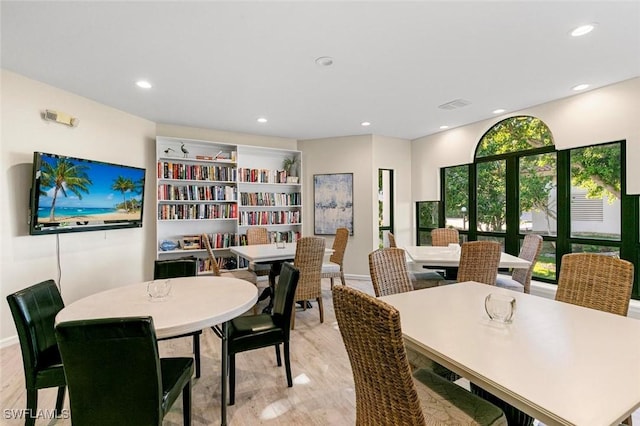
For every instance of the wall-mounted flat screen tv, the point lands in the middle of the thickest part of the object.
(72, 195)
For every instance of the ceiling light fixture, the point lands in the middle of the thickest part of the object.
(580, 87)
(262, 120)
(324, 61)
(143, 84)
(444, 127)
(582, 30)
(365, 123)
(498, 111)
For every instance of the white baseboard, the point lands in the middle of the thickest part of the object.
(12, 340)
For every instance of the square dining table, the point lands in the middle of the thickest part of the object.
(560, 363)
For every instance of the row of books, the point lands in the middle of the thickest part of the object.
(169, 170)
(269, 218)
(270, 199)
(204, 265)
(197, 193)
(197, 211)
(224, 239)
(262, 175)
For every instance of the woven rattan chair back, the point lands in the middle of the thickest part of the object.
(530, 250)
(308, 260)
(388, 269)
(257, 235)
(339, 246)
(479, 262)
(595, 281)
(370, 328)
(442, 237)
(212, 258)
(392, 240)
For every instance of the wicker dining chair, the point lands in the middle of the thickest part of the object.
(392, 240)
(386, 391)
(442, 237)
(590, 280)
(258, 235)
(520, 279)
(388, 270)
(595, 281)
(308, 260)
(334, 268)
(479, 262)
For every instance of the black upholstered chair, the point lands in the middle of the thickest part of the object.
(115, 375)
(176, 268)
(259, 331)
(34, 310)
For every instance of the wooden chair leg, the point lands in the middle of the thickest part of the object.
(321, 309)
(342, 278)
(628, 421)
(278, 359)
(60, 400)
(331, 283)
(232, 379)
(32, 406)
(287, 364)
(186, 404)
(196, 352)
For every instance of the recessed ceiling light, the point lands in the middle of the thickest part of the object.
(143, 84)
(498, 111)
(262, 120)
(580, 87)
(444, 127)
(582, 30)
(324, 61)
(365, 123)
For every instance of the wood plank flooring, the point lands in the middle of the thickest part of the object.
(322, 393)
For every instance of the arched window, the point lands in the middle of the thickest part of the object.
(519, 184)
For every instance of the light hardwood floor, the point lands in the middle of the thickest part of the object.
(322, 393)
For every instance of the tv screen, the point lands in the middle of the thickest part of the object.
(72, 194)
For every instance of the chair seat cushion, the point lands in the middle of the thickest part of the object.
(176, 373)
(330, 267)
(254, 331)
(505, 281)
(444, 402)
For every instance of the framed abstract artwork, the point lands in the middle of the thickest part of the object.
(333, 203)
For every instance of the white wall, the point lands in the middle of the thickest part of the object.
(395, 154)
(352, 154)
(603, 115)
(90, 261)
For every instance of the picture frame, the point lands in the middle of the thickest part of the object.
(191, 242)
(333, 203)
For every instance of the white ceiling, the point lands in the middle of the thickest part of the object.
(222, 65)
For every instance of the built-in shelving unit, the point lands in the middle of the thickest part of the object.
(222, 189)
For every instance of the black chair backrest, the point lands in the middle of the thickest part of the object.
(34, 310)
(113, 371)
(284, 294)
(175, 268)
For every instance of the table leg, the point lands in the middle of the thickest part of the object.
(224, 373)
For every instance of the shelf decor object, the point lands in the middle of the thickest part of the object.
(333, 203)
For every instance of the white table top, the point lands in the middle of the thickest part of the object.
(268, 252)
(194, 303)
(444, 256)
(560, 363)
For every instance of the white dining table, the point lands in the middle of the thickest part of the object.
(194, 303)
(560, 363)
(434, 256)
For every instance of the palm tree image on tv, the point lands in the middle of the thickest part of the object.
(82, 191)
(64, 176)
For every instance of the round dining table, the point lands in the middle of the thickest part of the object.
(194, 303)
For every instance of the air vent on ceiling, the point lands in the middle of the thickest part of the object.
(454, 104)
